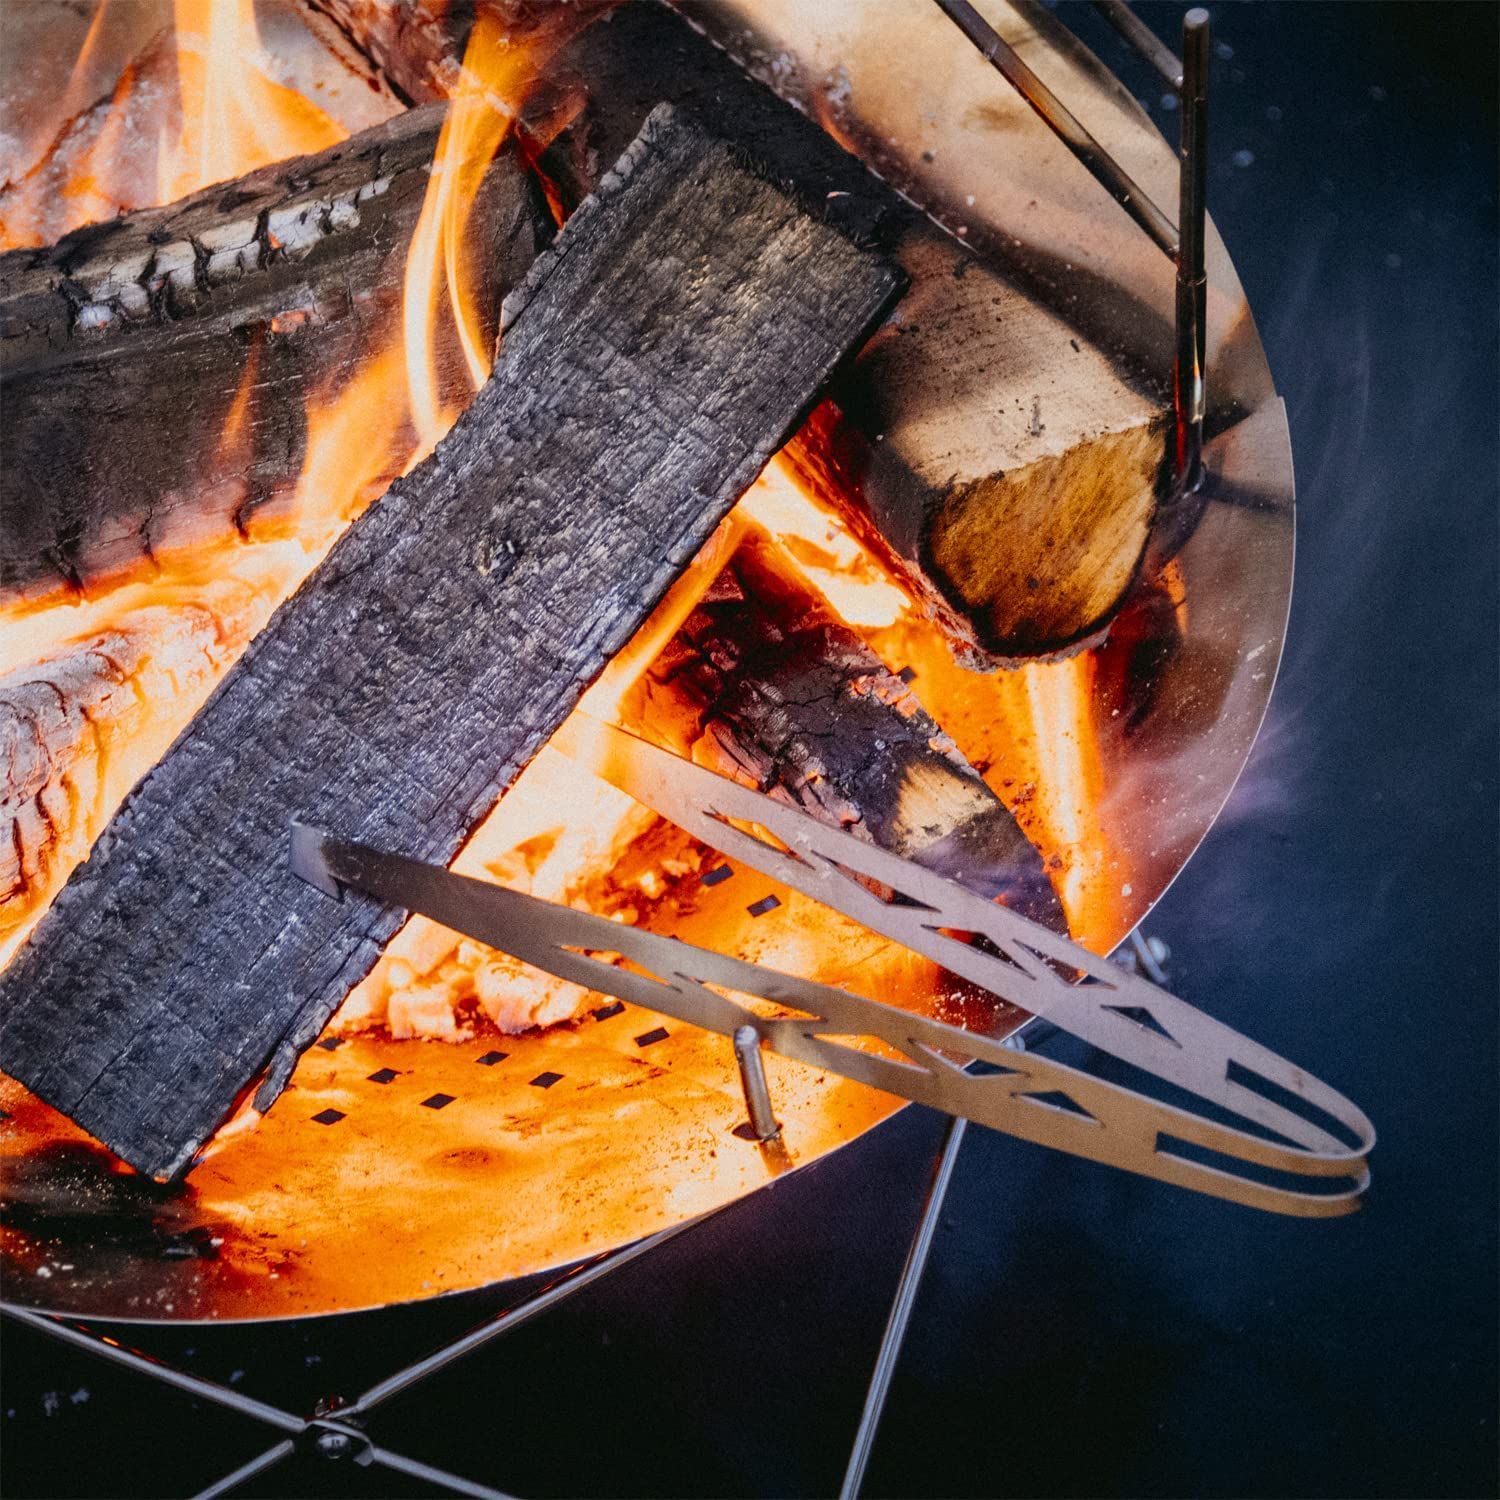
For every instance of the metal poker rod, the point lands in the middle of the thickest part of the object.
(1064, 124)
(1140, 36)
(1188, 394)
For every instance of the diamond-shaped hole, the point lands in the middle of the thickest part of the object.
(979, 940)
(438, 1101)
(1138, 1015)
(1063, 1103)
(328, 1117)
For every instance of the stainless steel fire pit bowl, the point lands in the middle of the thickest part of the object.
(393, 1171)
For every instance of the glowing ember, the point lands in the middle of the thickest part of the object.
(1031, 732)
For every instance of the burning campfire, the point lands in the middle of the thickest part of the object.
(270, 343)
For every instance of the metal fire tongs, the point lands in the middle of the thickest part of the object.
(1308, 1156)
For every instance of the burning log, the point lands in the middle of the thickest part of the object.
(193, 336)
(792, 702)
(1004, 462)
(654, 359)
(413, 47)
(1015, 488)
(76, 730)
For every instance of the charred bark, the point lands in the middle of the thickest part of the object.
(793, 703)
(1005, 463)
(653, 361)
(126, 347)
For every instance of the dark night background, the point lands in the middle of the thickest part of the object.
(1081, 1332)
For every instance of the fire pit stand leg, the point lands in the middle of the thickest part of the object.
(336, 1429)
(901, 1309)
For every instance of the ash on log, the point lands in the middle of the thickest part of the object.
(793, 703)
(74, 728)
(124, 347)
(653, 361)
(1008, 466)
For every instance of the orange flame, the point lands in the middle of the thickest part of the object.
(1031, 732)
(494, 77)
(234, 117)
(195, 106)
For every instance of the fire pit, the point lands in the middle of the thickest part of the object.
(304, 336)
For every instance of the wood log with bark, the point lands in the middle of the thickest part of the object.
(79, 726)
(1009, 466)
(156, 370)
(654, 359)
(790, 701)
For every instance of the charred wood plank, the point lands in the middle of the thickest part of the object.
(126, 345)
(1006, 464)
(793, 703)
(653, 361)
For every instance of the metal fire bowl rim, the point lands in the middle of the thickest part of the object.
(1177, 774)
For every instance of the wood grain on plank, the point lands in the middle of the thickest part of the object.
(654, 359)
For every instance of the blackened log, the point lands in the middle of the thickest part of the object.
(793, 703)
(1006, 464)
(124, 347)
(653, 361)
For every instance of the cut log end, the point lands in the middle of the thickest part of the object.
(1038, 560)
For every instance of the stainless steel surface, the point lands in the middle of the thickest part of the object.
(283, 1233)
(1018, 960)
(1064, 123)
